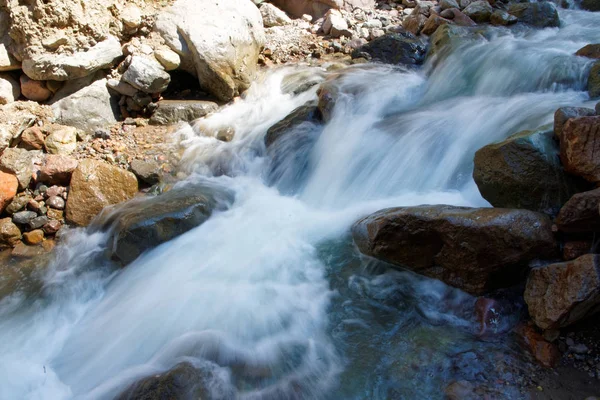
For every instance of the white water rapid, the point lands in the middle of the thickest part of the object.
(269, 298)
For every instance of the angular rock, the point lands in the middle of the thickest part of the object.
(446, 4)
(457, 17)
(560, 294)
(479, 11)
(8, 189)
(95, 185)
(395, 48)
(34, 90)
(433, 22)
(219, 42)
(57, 169)
(580, 147)
(308, 113)
(546, 353)
(174, 111)
(415, 22)
(541, 14)
(10, 234)
(7, 61)
(20, 163)
(589, 51)
(502, 18)
(146, 171)
(52, 227)
(273, 16)
(524, 171)
(121, 87)
(168, 59)
(335, 25)
(23, 217)
(9, 89)
(38, 222)
(580, 213)
(32, 139)
(475, 250)
(146, 75)
(62, 67)
(88, 108)
(147, 222)
(34, 237)
(563, 114)
(18, 203)
(594, 81)
(62, 140)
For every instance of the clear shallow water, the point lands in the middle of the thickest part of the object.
(270, 295)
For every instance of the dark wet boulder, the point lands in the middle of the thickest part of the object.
(589, 51)
(144, 223)
(560, 294)
(594, 81)
(542, 14)
(449, 36)
(182, 382)
(590, 5)
(307, 113)
(301, 81)
(580, 149)
(479, 11)
(394, 48)
(502, 18)
(524, 171)
(563, 114)
(580, 213)
(473, 249)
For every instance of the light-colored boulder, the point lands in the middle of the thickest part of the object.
(62, 140)
(318, 8)
(20, 163)
(121, 87)
(9, 89)
(147, 75)
(95, 185)
(131, 16)
(175, 111)
(168, 59)
(335, 25)
(218, 41)
(273, 16)
(88, 108)
(62, 67)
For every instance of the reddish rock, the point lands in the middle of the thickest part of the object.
(433, 22)
(52, 227)
(34, 237)
(10, 234)
(55, 191)
(576, 248)
(580, 213)
(48, 245)
(32, 139)
(589, 51)
(558, 295)
(34, 90)
(457, 17)
(8, 189)
(580, 147)
(546, 353)
(563, 114)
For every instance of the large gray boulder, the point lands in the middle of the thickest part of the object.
(147, 75)
(473, 249)
(541, 15)
(218, 41)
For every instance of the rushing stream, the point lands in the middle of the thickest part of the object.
(269, 298)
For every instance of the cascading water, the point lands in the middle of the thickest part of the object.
(269, 298)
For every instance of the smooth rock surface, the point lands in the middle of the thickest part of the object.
(10, 234)
(563, 114)
(8, 189)
(57, 169)
(174, 111)
(580, 213)
(9, 89)
(580, 149)
(146, 75)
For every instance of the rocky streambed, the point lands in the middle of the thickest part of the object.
(407, 210)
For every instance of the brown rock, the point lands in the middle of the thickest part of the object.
(590, 51)
(95, 185)
(458, 17)
(22, 250)
(433, 22)
(32, 139)
(48, 244)
(545, 353)
(576, 248)
(56, 215)
(476, 250)
(580, 147)
(57, 169)
(52, 227)
(10, 234)
(580, 213)
(8, 189)
(34, 90)
(560, 294)
(563, 114)
(34, 237)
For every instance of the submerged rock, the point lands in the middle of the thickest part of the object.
(147, 222)
(541, 14)
(560, 294)
(309, 112)
(524, 171)
(395, 48)
(476, 250)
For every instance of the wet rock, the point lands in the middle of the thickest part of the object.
(433, 22)
(546, 353)
(57, 169)
(32, 139)
(580, 213)
(475, 250)
(84, 105)
(335, 25)
(145, 223)
(301, 81)
(146, 75)
(308, 113)
(62, 67)
(56, 202)
(34, 90)
(395, 48)
(95, 185)
(560, 294)
(479, 11)
(52, 227)
(590, 51)
(576, 248)
(579, 149)
(23, 217)
(62, 140)
(273, 16)
(563, 114)
(55, 215)
(590, 5)
(18, 162)
(146, 171)
(168, 59)
(524, 171)
(9, 89)
(457, 17)
(174, 111)
(184, 381)
(542, 14)
(219, 42)
(8, 189)
(446, 4)
(10, 234)
(34, 237)
(22, 250)
(37, 222)
(502, 18)
(447, 36)
(594, 81)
